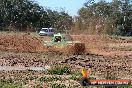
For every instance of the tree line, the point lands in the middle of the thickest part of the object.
(105, 17)
(93, 18)
(27, 15)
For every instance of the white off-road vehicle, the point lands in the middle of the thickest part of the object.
(46, 32)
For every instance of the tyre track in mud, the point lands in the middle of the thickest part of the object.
(101, 66)
(119, 66)
(116, 66)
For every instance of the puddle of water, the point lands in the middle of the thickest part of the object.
(13, 68)
(36, 68)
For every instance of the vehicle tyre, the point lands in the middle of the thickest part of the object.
(84, 81)
(40, 34)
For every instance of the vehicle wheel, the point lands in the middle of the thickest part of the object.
(84, 81)
(52, 35)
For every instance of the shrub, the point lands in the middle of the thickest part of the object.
(59, 70)
(47, 79)
(55, 85)
(9, 85)
(75, 76)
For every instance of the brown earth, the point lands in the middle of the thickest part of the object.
(20, 43)
(94, 44)
(27, 43)
(101, 64)
(105, 45)
(103, 54)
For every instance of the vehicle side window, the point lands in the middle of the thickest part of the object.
(51, 30)
(46, 30)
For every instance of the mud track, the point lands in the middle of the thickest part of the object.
(26, 51)
(119, 67)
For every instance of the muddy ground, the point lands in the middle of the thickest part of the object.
(105, 56)
(120, 66)
(117, 67)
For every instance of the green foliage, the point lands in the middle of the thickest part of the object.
(30, 78)
(55, 85)
(27, 15)
(75, 76)
(129, 86)
(47, 79)
(60, 70)
(102, 17)
(4, 84)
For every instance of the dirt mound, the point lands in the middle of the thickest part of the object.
(65, 49)
(90, 44)
(22, 43)
(27, 43)
(79, 48)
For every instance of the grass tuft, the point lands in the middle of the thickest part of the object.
(60, 70)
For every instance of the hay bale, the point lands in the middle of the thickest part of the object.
(79, 48)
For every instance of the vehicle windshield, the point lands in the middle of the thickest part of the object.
(51, 30)
(45, 30)
(57, 39)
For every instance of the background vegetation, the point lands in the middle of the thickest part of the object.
(93, 18)
(27, 15)
(106, 17)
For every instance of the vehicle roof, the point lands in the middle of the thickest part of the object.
(47, 28)
(44, 28)
(51, 28)
(58, 34)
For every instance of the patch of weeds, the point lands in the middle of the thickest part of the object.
(9, 85)
(115, 37)
(31, 78)
(48, 79)
(60, 70)
(55, 85)
(75, 76)
(130, 86)
(6, 81)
